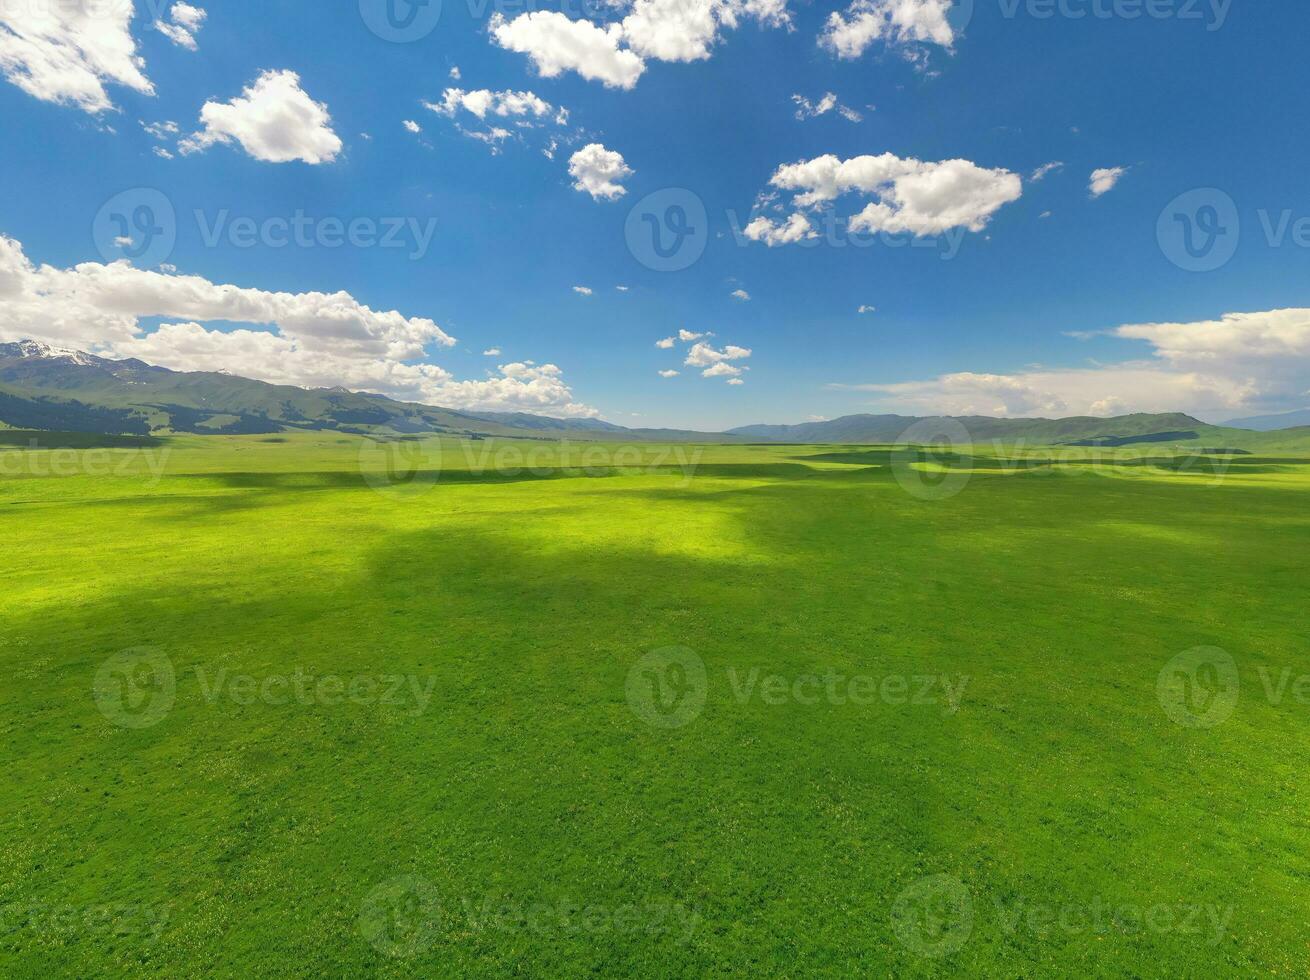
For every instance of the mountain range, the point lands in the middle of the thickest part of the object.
(49, 388)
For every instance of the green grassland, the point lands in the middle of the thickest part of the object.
(262, 797)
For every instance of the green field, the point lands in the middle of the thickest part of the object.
(280, 706)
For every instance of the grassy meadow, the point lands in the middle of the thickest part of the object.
(316, 706)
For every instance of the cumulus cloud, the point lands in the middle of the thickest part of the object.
(703, 355)
(1103, 180)
(687, 336)
(183, 24)
(491, 352)
(720, 370)
(666, 343)
(910, 195)
(68, 52)
(741, 294)
(582, 290)
(597, 171)
(616, 53)
(795, 229)
(867, 309)
(893, 22)
(483, 102)
(669, 374)
(309, 339)
(273, 119)
(412, 126)
(556, 45)
(736, 381)
(1239, 363)
(517, 387)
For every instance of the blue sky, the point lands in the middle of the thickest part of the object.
(1018, 296)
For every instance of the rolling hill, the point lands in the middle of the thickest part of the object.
(50, 389)
(44, 387)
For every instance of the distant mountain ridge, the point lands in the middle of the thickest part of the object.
(44, 387)
(1085, 430)
(1272, 423)
(55, 389)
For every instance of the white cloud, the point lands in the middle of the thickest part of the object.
(720, 370)
(162, 152)
(1103, 180)
(687, 30)
(162, 131)
(483, 102)
(491, 352)
(796, 228)
(704, 355)
(185, 21)
(412, 126)
(1242, 362)
(556, 44)
(912, 196)
(615, 54)
(310, 339)
(455, 73)
(597, 171)
(526, 110)
(867, 309)
(582, 290)
(622, 289)
(1044, 214)
(805, 109)
(668, 374)
(666, 343)
(894, 22)
(686, 336)
(68, 52)
(1044, 169)
(736, 381)
(274, 120)
(741, 294)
